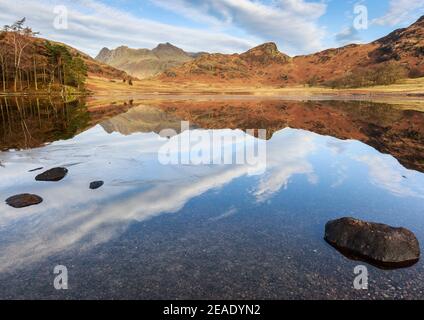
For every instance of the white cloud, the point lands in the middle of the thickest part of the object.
(93, 25)
(401, 12)
(293, 24)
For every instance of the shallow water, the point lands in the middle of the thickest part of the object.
(205, 231)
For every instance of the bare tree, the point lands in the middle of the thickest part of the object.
(28, 63)
(20, 40)
(3, 66)
(4, 51)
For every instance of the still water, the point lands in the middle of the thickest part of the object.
(205, 231)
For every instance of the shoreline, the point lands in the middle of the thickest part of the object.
(409, 93)
(407, 89)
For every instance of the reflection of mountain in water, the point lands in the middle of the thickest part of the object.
(387, 129)
(142, 119)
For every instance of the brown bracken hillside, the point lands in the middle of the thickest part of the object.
(37, 57)
(265, 65)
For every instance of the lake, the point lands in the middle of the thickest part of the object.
(174, 221)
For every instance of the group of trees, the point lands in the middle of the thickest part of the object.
(65, 68)
(384, 74)
(28, 63)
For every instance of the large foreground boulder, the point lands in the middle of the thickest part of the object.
(23, 200)
(377, 243)
(55, 174)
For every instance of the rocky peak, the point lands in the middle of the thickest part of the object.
(266, 48)
(121, 49)
(104, 50)
(103, 54)
(265, 53)
(167, 49)
(163, 46)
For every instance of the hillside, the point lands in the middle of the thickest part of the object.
(144, 63)
(39, 64)
(265, 65)
(99, 69)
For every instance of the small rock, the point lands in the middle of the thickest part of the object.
(380, 244)
(55, 174)
(96, 185)
(24, 200)
(36, 169)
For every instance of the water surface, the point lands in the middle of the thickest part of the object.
(186, 231)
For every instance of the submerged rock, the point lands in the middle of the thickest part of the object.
(96, 185)
(23, 200)
(380, 244)
(55, 174)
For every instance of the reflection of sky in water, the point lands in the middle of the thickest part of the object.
(137, 187)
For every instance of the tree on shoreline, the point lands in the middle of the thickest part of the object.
(69, 70)
(29, 63)
(20, 41)
(3, 62)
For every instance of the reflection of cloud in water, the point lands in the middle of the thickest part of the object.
(386, 173)
(136, 187)
(341, 174)
(228, 213)
(336, 146)
(287, 156)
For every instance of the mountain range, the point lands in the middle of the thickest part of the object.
(266, 65)
(144, 63)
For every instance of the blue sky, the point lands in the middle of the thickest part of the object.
(297, 26)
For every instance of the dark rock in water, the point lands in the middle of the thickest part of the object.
(36, 169)
(379, 244)
(55, 174)
(23, 200)
(96, 185)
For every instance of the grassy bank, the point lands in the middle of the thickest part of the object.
(101, 86)
(408, 93)
(56, 91)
